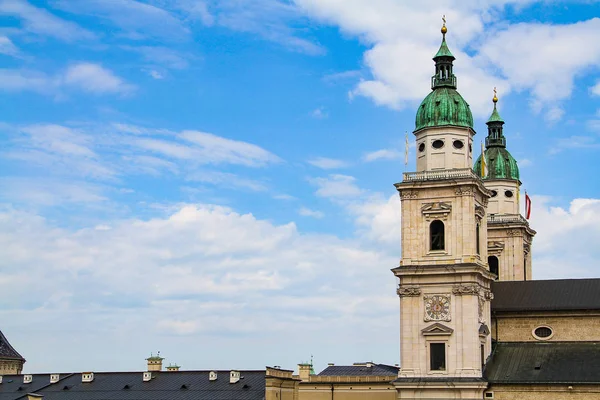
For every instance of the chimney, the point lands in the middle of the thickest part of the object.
(155, 362)
(330, 364)
(234, 376)
(173, 367)
(34, 396)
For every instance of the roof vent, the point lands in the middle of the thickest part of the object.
(66, 387)
(126, 387)
(184, 387)
(147, 376)
(234, 376)
(246, 386)
(330, 364)
(54, 378)
(369, 365)
(27, 378)
(87, 377)
(212, 376)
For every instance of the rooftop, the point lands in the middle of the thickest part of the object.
(546, 295)
(360, 369)
(549, 362)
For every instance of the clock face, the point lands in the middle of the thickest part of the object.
(437, 308)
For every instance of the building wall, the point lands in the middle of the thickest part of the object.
(553, 392)
(280, 385)
(566, 326)
(347, 391)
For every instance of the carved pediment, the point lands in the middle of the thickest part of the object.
(437, 329)
(436, 210)
(484, 330)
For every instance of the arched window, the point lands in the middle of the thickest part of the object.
(493, 263)
(436, 235)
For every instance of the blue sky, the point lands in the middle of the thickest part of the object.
(213, 179)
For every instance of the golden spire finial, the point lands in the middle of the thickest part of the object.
(495, 99)
(444, 29)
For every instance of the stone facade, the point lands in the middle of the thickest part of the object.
(536, 392)
(566, 326)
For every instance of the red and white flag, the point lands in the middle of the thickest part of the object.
(527, 206)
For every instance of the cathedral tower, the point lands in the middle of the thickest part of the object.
(444, 279)
(509, 234)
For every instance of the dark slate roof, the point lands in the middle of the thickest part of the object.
(360, 370)
(547, 295)
(547, 362)
(440, 380)
(181, 385)
(6, 350)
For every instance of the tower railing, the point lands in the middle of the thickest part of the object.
(506, 218)
(456, 173)
(437, 81)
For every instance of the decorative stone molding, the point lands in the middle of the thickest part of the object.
(480, 212)
(513, 232)
(526, 248)
(480, 306)
(461, 290)
(408, 291)
(436, 210)
(488, 295)
(408, 194)
(484, 330)
(464, 191)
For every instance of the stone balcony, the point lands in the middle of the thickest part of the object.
(457, 173)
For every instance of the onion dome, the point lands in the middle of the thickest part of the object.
(500, 163)
(444, 105)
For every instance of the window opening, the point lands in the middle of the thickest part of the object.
(438, 144)
(437, 356)
(437, 235)
(493, 263)
(477, 238)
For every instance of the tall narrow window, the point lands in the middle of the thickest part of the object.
(477, 238)
(437, 356)
(493, 263)
(436, 233)
(482, 356)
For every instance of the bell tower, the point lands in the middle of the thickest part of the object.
(509, 234)
(444, 280)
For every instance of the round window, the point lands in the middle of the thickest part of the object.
(543, 332)
(438, 144)
(494, 193)
(508, 193)
(458, 144)
(422, 147)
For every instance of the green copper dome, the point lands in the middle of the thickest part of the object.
(443, 106)
(500, 163)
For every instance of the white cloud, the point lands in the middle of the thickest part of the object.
(525, 162)
(336, 186)
(155, 74)
(135, 19)
(35, 192)
(383, 154)
(200, 270)
(227, 180)
(395, 30)
(89, 77)
(94, 78)
(565, 245)
(341, 76)
(158, 55)
(327, 163)
(307, 212)
(39, 21)
(319, 113)
(596, 89)
(8, 48)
